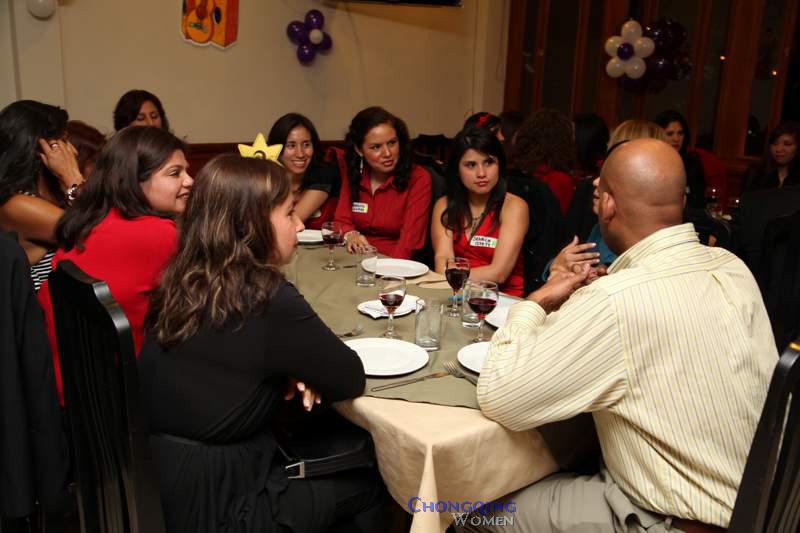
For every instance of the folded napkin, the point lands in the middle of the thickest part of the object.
(375, 309)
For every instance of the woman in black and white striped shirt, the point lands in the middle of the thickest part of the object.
(39, 176)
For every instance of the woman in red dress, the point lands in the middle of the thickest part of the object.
(478, 219)
(386, 199)
(121, 228)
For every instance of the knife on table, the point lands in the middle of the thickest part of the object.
(409, 381)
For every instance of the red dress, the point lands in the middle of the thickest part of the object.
(129, 255)
(480, 252)
(393, 221)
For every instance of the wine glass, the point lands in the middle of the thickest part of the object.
(391, 293)
(712, 200)
(481, 296)
(332, 237)
(457, 272)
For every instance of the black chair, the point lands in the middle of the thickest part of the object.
(436, 146)
(115, 474)
(778, 277)
(769, 494)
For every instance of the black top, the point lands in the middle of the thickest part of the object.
(756, 209)
(758, 179)
(34, 458)
(323, 177)
(224, 388)
(695, 180)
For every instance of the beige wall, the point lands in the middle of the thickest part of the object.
(431, 66)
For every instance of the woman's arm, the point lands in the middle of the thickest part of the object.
(32, 218)
(441, 237)
(415, 214)
(305, 349)
(513, 226)
(310, 201)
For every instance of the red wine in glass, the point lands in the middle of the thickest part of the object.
(392, 301)
(457, 272)
(456, 277)
(332, 236)
(482, 306)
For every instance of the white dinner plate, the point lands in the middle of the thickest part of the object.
(309, 236)
(375, 308)
(499, 314)
(388, 357)
(402, 268)
(472, 356)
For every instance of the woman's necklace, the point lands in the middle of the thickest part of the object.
(476, 220)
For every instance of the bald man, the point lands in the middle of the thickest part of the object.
(671, 352)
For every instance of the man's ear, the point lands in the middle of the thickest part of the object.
(608, 207)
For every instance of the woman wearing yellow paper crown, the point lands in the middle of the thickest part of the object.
(316, 177)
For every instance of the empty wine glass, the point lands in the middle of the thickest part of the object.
(457, 272)
(712, 200)
(391, 293)
(481, 296)
(332, 237)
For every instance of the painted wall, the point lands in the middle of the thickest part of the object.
(431, 66)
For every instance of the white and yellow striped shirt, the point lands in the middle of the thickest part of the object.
(672, 352)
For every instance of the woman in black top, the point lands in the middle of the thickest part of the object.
(677, 131)
(780, 166)
(228, 341)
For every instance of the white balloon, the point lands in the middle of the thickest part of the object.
(612, 44)
(643, 47)
(615, 68)
(631, 31)
(41, 9)
(635, 67)
(315, 36)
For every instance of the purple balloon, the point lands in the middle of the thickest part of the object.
(314, 20)
(297, 32)
(659, 67)
(306, 53)
(326, 43)
(625, 51)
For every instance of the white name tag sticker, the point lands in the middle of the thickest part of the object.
(479, 241)
(359, 207)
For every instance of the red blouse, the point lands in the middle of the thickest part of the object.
(561, 183)
(480, 252)
(129, 255)
(393, 221)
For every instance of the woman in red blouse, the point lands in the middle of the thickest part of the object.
(478, 219)
(544, 148)
(121, 228)
(386, 199)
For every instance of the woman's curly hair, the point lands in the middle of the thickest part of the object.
(545, 138)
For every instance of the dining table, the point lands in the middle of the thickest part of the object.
(432, 443)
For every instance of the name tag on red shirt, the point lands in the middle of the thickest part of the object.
(479, 241)
(359, 207)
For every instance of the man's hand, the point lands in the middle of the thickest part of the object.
(310, 396)
(559, 287)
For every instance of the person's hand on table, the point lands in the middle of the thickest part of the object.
(355, 241)
(559, 287)
(310, 396)
(574, 254)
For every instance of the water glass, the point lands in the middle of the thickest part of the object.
(366, 265)
(428, 323)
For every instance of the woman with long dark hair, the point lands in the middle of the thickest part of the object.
(478, 219)
(140, 108)
(39, 177)
(121, 227)
(386, 199)
(227, 336)
(544, 149)
(678, 136)
(315, 178)
(780, 166)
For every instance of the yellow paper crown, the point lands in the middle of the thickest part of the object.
(261, 150)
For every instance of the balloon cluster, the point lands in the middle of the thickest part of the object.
(628, 52)
(309, 37)
(650, 57)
